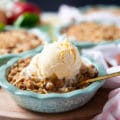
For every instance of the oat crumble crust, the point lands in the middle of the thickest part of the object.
(92, 32)
(17, 41)
(48, 85)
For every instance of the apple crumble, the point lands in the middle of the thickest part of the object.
(17, 41)
(92, 32)
(48, 85)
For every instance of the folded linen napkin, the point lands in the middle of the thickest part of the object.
(107, 53)
(111, 110)
(103, 53)
(68, 14)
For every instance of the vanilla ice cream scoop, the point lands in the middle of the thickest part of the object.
(60, 59)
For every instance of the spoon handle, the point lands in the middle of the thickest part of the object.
(104, 77)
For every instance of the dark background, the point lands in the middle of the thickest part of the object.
(53, 5)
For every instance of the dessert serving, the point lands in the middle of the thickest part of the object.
(18, 41)
(92, 32)
(58, 68)
(15, 41)
(50, 80)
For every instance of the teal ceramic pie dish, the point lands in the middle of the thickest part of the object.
(44, 37)
(99, 7)
(51, 102)
(81, 44)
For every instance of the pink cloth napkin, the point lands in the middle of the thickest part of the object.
(111, 110)
(109, 53)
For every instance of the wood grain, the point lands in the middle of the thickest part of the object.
(9, 110)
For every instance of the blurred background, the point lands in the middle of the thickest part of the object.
(54, 5)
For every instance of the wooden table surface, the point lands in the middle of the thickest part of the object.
(9, 110)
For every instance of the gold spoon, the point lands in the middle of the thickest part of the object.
(104, 77)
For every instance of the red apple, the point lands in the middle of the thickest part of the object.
(3, 18)
(22, 7)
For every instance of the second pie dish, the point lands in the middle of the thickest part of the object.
(88, 34)
(14, 42)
